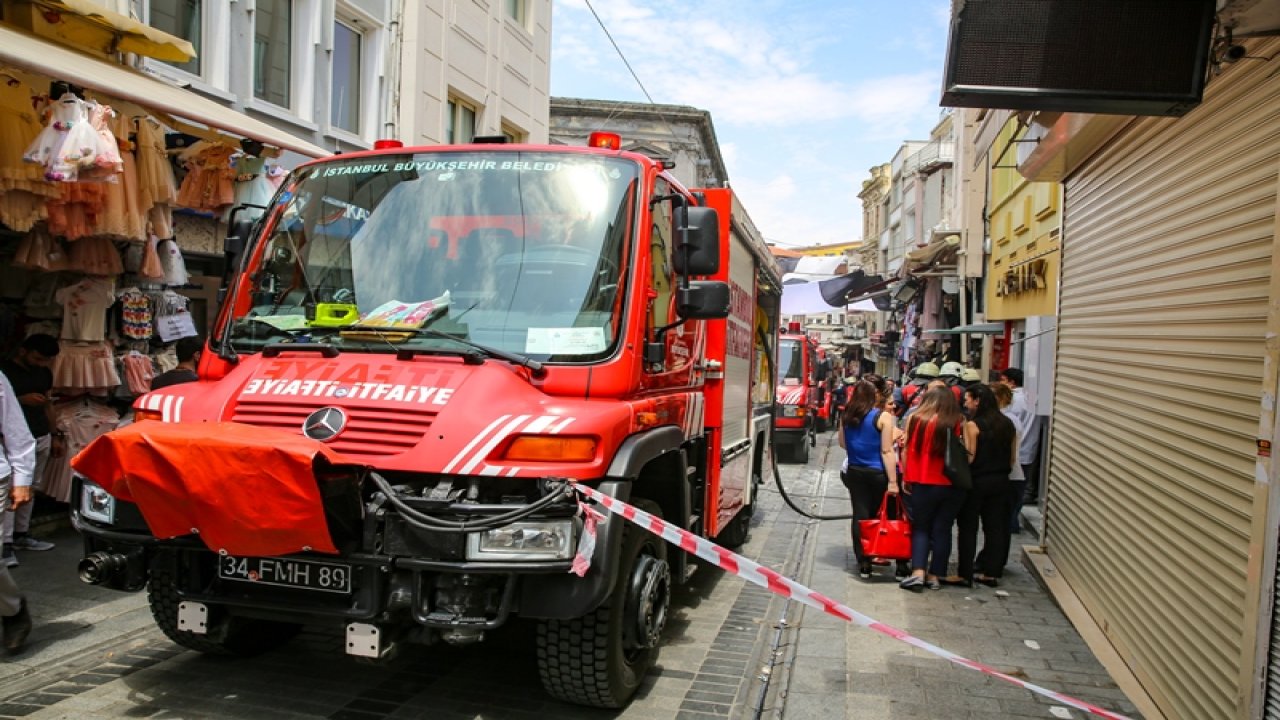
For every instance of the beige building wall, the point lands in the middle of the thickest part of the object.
(476, 53)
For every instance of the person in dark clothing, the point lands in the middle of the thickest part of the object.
(30, 374)
(995, 451)
(188, 350)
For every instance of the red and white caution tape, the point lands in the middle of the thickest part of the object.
(750, 571)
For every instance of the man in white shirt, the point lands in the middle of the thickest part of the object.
(17, 462)
(1028, 424)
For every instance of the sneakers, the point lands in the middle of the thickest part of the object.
(26, 542)
(864, 570)
(933, 584)
(9, 559)
(914, 583)
(16, 629)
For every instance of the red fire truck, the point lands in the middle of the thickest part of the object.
(794, 424)
(419, 346)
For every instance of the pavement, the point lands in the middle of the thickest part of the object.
(839, 670)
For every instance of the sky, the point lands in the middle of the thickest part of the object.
(805, 96)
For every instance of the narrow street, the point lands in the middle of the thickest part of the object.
(96, 653)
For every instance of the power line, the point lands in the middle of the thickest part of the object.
(629, 68)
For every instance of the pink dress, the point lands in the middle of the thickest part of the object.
(81, 421)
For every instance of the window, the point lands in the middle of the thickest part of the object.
(273, 51)
(512, 135)
(184, 19)
(662, 281)
(459, 123)
(516, 11)
(345, 94)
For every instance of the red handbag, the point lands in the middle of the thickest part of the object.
(882, 537)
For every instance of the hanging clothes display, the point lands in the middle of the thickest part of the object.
(157, 193)
(138, 372)
(121, 218)
(210, 177)
(175, 268)
(135, 314)
(40, 251)
(81, 421)
(85, 309)
(23, 189)
(252, 187)
(68, 141)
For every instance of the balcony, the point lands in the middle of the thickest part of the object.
(931, 157)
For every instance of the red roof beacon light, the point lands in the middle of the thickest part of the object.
(604, 140)
(793, 326)
(387, 144)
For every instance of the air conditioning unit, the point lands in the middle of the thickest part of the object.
(1124, 57)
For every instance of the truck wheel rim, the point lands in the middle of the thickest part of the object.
(649, 600)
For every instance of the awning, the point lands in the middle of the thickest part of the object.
(975, 329)
(91, 25)
(938, 250)
(28, 52)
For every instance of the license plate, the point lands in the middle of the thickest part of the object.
(286, 572)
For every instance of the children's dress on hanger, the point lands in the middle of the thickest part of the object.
(84, 316)
(39, 251)
(252, 187)
(23, 189)
(157, 192)
(67, 142)
(89, 366)
(81, 421)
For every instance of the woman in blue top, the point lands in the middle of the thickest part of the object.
(867, 434)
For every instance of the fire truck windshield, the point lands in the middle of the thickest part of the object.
(518, 251)
(790, 360)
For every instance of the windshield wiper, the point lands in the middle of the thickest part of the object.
(536, 368)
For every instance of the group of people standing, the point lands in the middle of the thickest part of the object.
(899, 447)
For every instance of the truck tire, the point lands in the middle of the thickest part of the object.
(734, 535)
(600, 659)
(227, 635)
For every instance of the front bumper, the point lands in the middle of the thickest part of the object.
(397, 570)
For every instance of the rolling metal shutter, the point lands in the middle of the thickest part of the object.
(1166, 264)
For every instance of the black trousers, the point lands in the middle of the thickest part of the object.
(867, 487)
(988, 503)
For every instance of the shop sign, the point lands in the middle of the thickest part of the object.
(1027, 277)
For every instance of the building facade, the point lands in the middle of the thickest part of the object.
(468, 68)
(343, 73)
(680, 134)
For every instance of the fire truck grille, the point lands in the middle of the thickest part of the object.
(369, 432)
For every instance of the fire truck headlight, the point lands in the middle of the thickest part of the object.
(793, 411)
(96, 503)
(530, 540)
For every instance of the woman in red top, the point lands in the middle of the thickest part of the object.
(934, 501)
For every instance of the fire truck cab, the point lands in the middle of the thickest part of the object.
(795, 417)
(420, 348)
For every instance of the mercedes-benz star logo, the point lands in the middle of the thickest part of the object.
(325, 424)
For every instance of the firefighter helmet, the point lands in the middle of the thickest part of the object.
(926, 370)
(951, 369)
(970, 376)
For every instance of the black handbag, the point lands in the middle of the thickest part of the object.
(955, 464)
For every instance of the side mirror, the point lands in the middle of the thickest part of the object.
(703, 300)
(699, 253)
